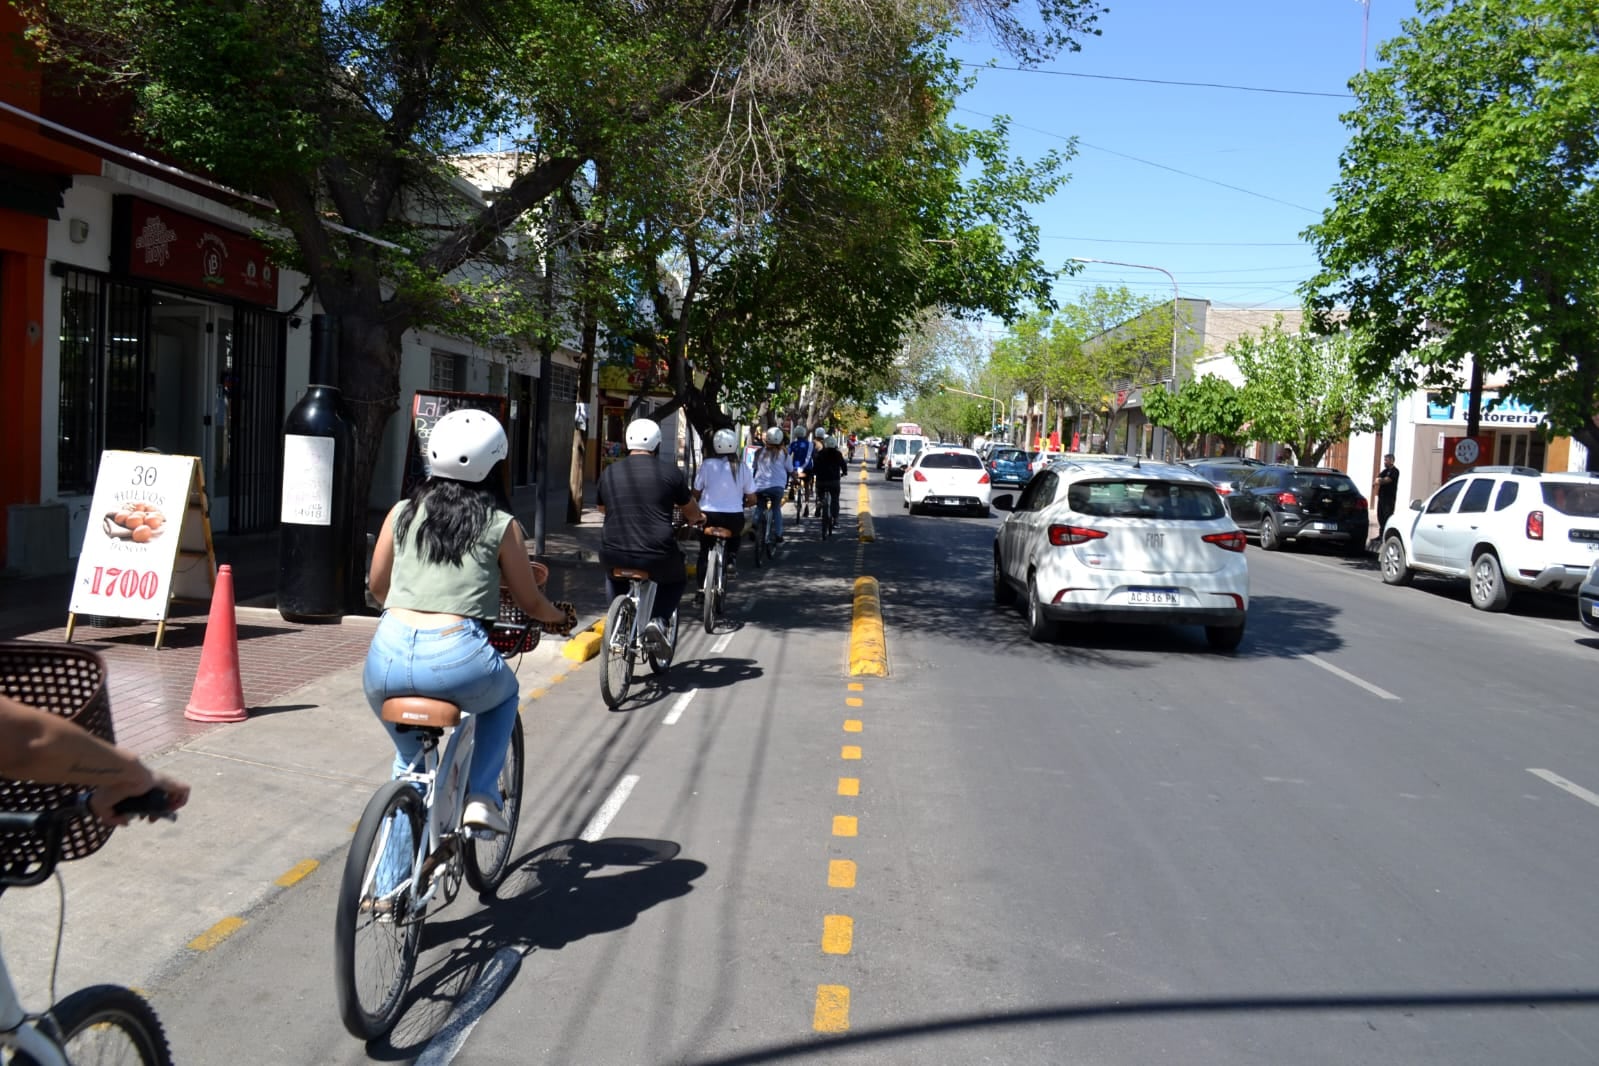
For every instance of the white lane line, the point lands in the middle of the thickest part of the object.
(1380, 693)
(679, 707)
(722, 642)
(613, 803)
(470, 1009)
(1560, 782)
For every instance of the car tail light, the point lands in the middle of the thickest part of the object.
(1063, 536)
(1360, 503)
(1535, 525)
(1288, 499)
(1233, 540)
(917, 475)
(983, 480)
(1223, 490)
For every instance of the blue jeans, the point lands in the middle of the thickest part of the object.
(453, 662)
(771, 498)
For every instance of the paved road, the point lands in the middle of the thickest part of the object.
(1381, 793)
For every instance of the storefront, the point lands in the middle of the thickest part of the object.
(179, 348)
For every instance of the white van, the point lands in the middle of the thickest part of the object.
(901, 450)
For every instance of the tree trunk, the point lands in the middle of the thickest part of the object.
(369, 384)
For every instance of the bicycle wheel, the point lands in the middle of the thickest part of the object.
(376, 934)
(488, 856)
(108, 1023)
(661, 664)
(712, 588)
(616, 652)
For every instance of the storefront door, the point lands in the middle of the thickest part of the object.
(1513, 448)
(186, 413)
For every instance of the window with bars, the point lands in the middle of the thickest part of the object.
(77, 406)
(447, 372)
(563, 384)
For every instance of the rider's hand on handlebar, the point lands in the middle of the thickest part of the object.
(104, 799)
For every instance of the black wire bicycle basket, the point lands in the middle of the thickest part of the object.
(69, 681)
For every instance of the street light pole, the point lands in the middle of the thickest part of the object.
(978, 395)
(1174, 300)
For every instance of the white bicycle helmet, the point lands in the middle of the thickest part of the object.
(465, 445)
(643, 435)
(774, 436)
(725, 442)
(820, 434)
(832, 442)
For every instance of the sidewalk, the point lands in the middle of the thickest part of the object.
(149, 688)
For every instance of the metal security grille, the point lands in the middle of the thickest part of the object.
(127, 339)
(563, 384)
(77, 403)
(256, 412)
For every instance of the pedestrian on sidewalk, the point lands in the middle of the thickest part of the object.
(437, 568)
(1386, 489)
(723, 488)
(637, 494)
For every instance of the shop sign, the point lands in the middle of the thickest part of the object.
(1497, 410)
(166, 245)
(631, 375)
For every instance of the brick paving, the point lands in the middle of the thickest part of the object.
(149, 689)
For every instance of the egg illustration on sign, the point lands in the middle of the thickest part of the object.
(138, 522)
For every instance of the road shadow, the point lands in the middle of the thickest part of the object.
(550, 897)
(1524, 603)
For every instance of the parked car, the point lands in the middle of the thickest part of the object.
(1011, 466)
(1140, 542)
(1222, 472)
(1284, 504)
(947, 476)
(1503, 527)
(901, 450)
(1588, 598)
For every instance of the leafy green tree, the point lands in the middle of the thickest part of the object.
(1304, 391)
(1465, 221)
(1207, 407)
(1126, 342)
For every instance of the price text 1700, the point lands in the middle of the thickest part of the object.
(113, 581)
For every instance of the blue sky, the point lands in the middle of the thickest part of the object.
(1221, 244)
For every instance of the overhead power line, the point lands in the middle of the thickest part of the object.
(1165, 81)
(1181, 244)
(1151, 163)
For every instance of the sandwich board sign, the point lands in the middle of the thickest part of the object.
(148, 542)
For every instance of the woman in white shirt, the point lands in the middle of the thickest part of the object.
(723, 487)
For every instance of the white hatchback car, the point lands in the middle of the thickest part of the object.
(1502, 527)
(1140, 542)
(947, 476)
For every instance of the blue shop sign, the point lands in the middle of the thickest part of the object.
(1497, 410)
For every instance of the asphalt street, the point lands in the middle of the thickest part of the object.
(1117, 848)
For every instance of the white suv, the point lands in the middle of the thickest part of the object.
(1501, 527)
(1123, 542)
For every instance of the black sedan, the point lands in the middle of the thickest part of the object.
(1284, 504)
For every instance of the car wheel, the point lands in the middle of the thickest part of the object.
(1489, 590)
(1224, 638)
(1271, 538)
(1004, 595)
(1039, 628)
(1392, 558)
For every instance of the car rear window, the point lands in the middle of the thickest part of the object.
(1579, 501)
(950, 461)
(916, 446)
(1145, 499)
(1012, 455)
(1320, 483)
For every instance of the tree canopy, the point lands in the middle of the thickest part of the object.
(1465, 221)
(1203, 407)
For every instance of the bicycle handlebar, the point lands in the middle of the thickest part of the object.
(49, 825)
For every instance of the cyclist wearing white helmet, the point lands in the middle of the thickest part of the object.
(723, 488)
(773, 468)
(637, 494)
(437, 568)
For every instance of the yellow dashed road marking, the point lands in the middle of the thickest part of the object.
(856, 686)
(216, 934)
(852, 725)
(297, 873)
(838, 933)
(832, 1009)
(854, 701)
(841, 874)
(844, 825)
(851, 751)
(849, 786)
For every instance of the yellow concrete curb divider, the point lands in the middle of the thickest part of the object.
(868, 651)
(586, 645)
(865, 525)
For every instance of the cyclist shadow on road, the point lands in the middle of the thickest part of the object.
(552, 896)
(686, 674)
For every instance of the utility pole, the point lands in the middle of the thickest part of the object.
(1174, 308)
(1365, 32)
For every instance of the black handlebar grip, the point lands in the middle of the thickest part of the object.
(154, 803)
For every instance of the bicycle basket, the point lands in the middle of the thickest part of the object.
(68, 681)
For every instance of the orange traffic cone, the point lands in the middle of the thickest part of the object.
(218, 694)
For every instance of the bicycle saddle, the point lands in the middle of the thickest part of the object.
(718, 531)
(421, 711)
(622, 573)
